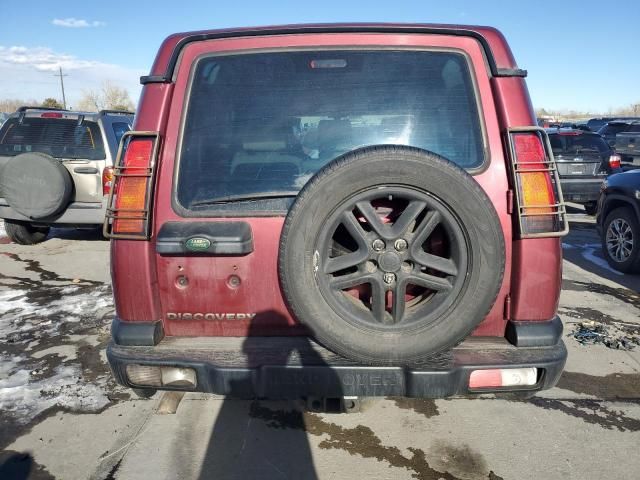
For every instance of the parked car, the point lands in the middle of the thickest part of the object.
(324, 211)
(56, 168)
(613, 128)
(618, 221)
(595, 124)
(584, 160)
(628, 145)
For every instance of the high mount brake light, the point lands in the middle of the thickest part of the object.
(128, 212)
(540, 207)
(570, 134)
(51, 115)
(615, 160)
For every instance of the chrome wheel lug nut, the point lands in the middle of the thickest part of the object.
(400, 244)
(378, 245)
(389, 278)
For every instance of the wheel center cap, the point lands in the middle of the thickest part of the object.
(390, 262)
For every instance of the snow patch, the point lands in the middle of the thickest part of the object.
(588, 253)
(21, 394)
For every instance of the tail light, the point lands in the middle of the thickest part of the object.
(128, 211)
(541, 210)
(615, 160)
(107, 180)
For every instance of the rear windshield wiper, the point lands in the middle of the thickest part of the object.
(253, 197)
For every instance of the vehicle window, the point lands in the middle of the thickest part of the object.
(613, 128)
(634, 128)
(119, 129)
(60, 138)
(576, 144)
(267, 122)
(595, 125)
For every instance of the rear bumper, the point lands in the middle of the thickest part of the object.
(581, 190)
(294, 367)
(76, 213)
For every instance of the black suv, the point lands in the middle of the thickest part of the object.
(611, 129)
(584, 160)
(618, 221)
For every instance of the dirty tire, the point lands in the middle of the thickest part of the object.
(626, 216)
(25, 234)
(36, 185)
(446, 311)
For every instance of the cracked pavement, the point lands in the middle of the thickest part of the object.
(62, 416)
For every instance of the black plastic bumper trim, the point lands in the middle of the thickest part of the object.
(339, 379)
(136, 333)
(534, 334)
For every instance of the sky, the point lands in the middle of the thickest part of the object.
(581, 55)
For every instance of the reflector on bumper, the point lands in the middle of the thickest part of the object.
(153, 376)
(503, 377)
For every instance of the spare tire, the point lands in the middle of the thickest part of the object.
(391, 255)
(36, 185)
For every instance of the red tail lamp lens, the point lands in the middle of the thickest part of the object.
(615, 161)
(537, 195)
(107, 180)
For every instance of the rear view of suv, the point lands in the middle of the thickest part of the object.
(584, 160)
(56, 168)
(325, 211)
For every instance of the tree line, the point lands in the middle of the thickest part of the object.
(108, 97)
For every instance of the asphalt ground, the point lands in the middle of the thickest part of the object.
(62, 416)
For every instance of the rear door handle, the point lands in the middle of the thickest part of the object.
(86, 170)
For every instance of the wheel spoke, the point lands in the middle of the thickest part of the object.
(430, 281)
(426, 228)
(379, 301)
(348, 281)
(343, 262)
(354, 228)
(440, 264)
(407, 217)
(374, 220)
(399, 302)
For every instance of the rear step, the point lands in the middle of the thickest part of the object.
(294, 367)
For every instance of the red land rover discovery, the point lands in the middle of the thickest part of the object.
(328, 211)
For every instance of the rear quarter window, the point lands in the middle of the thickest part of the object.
(119, 129)
(266, 122)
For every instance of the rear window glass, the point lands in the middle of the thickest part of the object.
(60, 138)
(613, 128)
(260, 123)
(119, 129)
(595, 125)
(634, 128)
(574, 144)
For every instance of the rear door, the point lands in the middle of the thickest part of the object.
(79, 145)
(253, 119)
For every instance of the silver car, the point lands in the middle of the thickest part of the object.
(56, 168)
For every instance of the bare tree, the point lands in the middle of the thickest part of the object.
(109, 96)
(10, 105)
